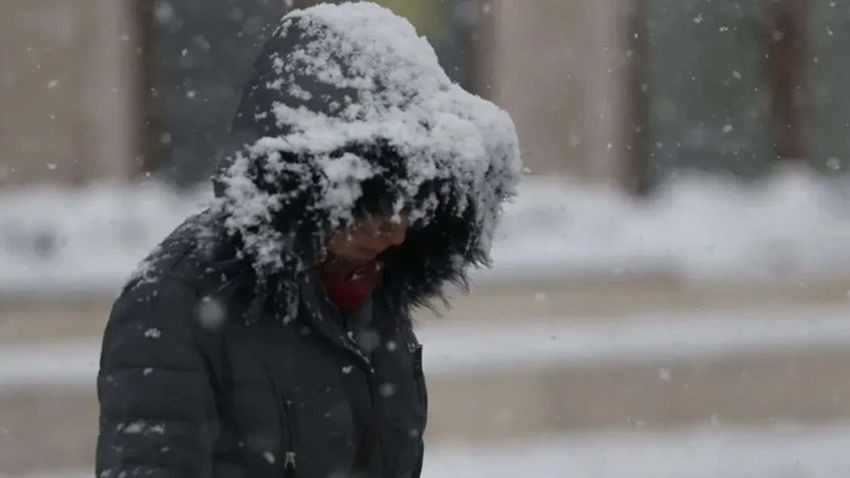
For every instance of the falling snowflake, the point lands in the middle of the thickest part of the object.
(153, 333)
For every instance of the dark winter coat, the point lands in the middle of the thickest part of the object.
(184, 395)
(223, 356)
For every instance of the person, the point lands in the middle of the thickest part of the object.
(271, 333)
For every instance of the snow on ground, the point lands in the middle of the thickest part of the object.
(56, 240)
(710, 453)
(50, 364)
(461, 347)
(458, 347)
(707, 453)
(697, 227)
(793, 225)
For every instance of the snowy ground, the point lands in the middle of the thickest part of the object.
(724, 451)
(461, 347)
(711, 453)
(708, 453)
(795, 224)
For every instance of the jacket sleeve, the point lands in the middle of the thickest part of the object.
(157, 406)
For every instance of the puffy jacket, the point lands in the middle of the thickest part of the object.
(196, 380)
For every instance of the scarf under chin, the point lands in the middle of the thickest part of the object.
(348, 293)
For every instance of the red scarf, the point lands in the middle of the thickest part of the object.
(349, 293)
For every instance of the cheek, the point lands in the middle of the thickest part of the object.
(339, 244)
(344, 244)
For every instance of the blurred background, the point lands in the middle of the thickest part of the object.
(671, 288)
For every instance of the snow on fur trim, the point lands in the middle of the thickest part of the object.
(348, 103)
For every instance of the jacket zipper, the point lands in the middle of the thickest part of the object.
(419, 375)
(286, 419)
(289, 453)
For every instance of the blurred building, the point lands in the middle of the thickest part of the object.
(557, 68)
(109, 89)
(69, 92)
(624, 92)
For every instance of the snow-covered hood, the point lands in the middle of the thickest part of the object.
(348, 112)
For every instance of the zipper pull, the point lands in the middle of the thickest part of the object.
(289, 460)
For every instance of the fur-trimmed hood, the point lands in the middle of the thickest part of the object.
(348, 112)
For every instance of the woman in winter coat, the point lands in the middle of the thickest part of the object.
(270, 335)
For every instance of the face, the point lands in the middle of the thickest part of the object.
(362, 243)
